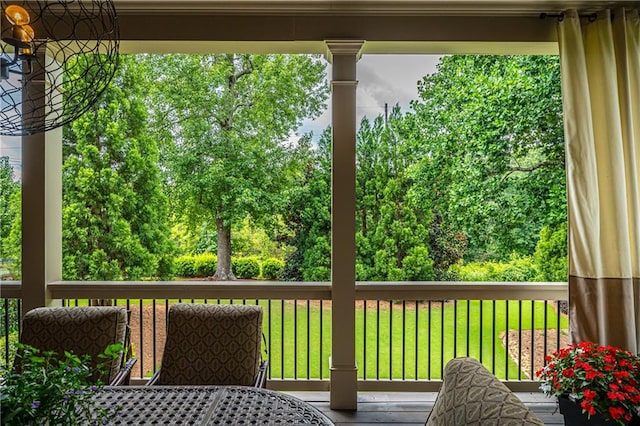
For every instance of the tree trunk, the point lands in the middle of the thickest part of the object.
(224, 272)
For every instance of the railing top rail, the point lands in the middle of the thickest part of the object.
(189, 290)
(452, 290)
(10, 289)
(417, 290)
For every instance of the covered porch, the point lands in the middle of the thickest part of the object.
(342, 31)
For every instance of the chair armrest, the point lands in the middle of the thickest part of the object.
(261, 379)
(124, 374)
(152, 381)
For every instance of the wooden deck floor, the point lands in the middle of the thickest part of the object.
(403, 408)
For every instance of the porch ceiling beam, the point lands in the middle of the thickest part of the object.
(315, 28)
(360, 7)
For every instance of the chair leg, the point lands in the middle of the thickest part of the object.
(261, 379)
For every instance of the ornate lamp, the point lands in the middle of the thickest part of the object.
(57, 58)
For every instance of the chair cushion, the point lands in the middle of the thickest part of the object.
(212, 345)
(471, 395)
(84, 330)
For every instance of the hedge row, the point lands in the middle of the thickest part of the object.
(204, 265)
(517, 269)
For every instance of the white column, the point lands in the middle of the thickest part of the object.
(343, 55)
(41, 213)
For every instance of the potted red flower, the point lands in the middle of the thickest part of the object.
(597, 382)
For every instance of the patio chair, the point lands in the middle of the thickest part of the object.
(84, 330)
(213, 345)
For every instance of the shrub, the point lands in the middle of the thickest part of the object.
(318, 273)
(246, 267)
(272, 268)
(13, 343)
(551, 254)
(517, 269)
(417, 265)
(185, 266)
(205, 264)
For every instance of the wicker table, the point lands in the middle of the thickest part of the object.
(206, 405)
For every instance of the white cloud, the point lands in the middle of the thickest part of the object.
(390, 79)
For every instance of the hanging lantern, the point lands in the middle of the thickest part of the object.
(57, 58)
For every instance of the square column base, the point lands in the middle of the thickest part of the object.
(343, 393)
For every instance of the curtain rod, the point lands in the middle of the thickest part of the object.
(591, 16)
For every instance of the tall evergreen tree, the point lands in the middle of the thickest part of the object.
(309, 217)
(114, 211)
(392, 231)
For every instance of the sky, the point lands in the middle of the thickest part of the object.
(382, 79)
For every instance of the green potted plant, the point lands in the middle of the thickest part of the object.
(594, 383)
(43, 388)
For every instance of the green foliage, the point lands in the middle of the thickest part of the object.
(417, 265)
(8, 211)
(53, 390)
(551, 254)
(392, 239)
(185, 266)
(447, 248)
(272, 268)
(223, 119)
(491, 131)
(246, 267)
(317, 273)
(517, 269)
(204, 265)
(309, 216)
(249, 239)
(12, 342)
(114, 213)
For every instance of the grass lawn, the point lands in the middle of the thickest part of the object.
(397, 334)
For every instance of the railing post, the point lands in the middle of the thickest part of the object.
(343, 55)
(41, 211)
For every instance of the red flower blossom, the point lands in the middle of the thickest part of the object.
(616, 412)
(589, 395)
(616, 395)
(590, 375)
(620, 374)
(586, 406)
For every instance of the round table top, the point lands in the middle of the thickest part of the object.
(205, 405)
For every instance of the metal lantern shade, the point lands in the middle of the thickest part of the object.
(56, 61)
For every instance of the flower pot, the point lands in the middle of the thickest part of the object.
(573, 415)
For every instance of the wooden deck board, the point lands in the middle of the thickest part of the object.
(410, 408)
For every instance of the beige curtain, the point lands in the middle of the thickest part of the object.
(600, 66)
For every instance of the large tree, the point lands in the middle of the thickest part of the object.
(494, 160)
(393, 230)
(226, 120)
(114, 212)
